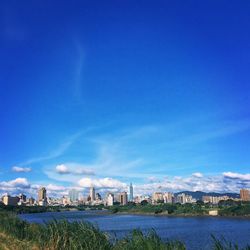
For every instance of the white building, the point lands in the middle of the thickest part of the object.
(168, 197)
(110, 200)
(92, 194)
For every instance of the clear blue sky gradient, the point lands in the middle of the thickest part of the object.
(150, 88)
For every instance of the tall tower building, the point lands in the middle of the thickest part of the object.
(131, 192)
(92, 193)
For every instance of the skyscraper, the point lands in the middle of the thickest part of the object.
(92, 193)
(131, 192)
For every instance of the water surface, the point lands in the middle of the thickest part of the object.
(195, 232)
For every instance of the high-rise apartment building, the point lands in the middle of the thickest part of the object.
(131, 192)
(245, 195)
(10, 201)
(168, 197)
(110, 200)
(92, 193)
(157, 196)
(42, 196)
(73, 195)
(123, 198)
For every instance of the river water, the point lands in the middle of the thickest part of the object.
(195, 232)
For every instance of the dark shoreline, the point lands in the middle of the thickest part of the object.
(108, 212)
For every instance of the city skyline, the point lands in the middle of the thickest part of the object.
(106, 94)
(76, 198)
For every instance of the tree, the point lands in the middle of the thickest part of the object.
(144, 202)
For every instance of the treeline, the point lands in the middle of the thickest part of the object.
(159, 208)
(226, 208)
(30, 209)
(236, 210)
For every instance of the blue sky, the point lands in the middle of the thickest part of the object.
(108, 92)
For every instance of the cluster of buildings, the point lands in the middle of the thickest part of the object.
(214, 199)
(75, 198)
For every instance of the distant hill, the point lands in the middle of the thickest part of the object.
(198, 194)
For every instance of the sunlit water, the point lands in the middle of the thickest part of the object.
(195, 232)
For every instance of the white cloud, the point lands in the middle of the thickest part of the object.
(197, 174)
(231, 175)
(62, 169)
(102, 183)
(52, 187)
(226, 182)
(13, 185)
(73, 169)
(20, 169)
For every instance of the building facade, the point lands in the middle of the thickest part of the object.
(92, 193)
(123, 198)
(42, 196)
(131, 192)
(157, 197)
(245, 195)
(10, 201)
(73, 195)
(110, 200)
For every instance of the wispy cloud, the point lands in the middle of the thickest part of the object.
(55, 153)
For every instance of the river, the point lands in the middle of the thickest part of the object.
(195, 232)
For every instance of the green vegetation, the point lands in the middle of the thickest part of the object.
(41, 209)
(226, 208)
(222, 244)
(172, 209)
(136, 240)
(235, 210)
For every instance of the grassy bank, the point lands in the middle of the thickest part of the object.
(16, 234)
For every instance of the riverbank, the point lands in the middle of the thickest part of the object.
(184, 210)
(182, 215)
